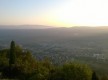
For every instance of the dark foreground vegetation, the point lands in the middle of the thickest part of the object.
(19, 64)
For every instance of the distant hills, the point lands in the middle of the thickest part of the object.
(24, 27)
(47, 27)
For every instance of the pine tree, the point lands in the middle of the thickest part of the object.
(12, 56)
(94, 76)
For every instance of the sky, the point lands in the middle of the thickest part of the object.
(59, 13)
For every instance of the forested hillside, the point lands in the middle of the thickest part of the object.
(18, 63)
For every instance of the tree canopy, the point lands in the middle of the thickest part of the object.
(26, 67)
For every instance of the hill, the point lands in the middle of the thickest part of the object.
(19, 64)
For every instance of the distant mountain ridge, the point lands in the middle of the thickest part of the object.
(47, 27)
(25, 27)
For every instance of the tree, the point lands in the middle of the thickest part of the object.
(12, 55)
(94, 76)
(72, 71)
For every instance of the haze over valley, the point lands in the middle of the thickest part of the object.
(83, 44)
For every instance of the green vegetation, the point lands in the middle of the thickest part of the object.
(12, 55)
(19, 64)
(94, 76)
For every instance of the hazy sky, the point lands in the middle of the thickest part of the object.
(54, 12)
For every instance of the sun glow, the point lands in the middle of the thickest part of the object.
(59, 13)
(80, 12)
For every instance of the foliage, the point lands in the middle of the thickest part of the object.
(26, 67)
(94, 76)
(4, 58)
(72, 71)
(12, 55)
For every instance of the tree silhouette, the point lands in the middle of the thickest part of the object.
(12, 56)
(94, 76)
